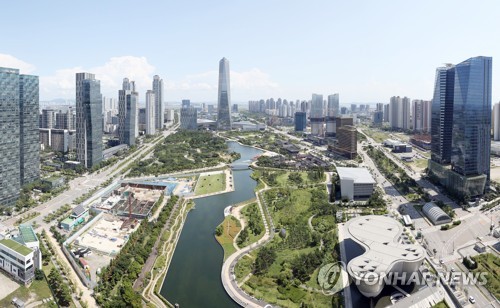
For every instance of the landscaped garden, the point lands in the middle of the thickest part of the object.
(284, 271)
(184, 150)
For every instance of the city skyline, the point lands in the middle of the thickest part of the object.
(260, 66)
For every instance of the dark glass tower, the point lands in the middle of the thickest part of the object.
(29, 135)
(19, 145)
(472, 117)
(224, 98)
(88, 120)
(442, 114)
(461, 125)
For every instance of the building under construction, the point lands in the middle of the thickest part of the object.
(137, 199)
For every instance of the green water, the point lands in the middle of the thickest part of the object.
(193, 278)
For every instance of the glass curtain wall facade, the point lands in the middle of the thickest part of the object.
(224, 121)
(88, 120)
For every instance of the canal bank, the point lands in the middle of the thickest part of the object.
(193, 278)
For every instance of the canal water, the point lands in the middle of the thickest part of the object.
(193, 279)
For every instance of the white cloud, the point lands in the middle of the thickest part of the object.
(111, 74)
(13, 62)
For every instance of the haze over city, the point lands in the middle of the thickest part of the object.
(366, 51)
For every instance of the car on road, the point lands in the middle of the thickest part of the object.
(472, 299)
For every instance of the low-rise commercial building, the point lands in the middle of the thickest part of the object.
(435, 214)
(77, 217)
(20, 255)
(355, 183)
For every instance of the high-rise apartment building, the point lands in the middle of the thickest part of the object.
(159, 107)
(88, 120)
(224, 121)
(127, 112)
(19, 146)
(150, 113)
(332, 110)
(421, 116)
(399, 113)
(317, 116)
(461, 126)
(496, 122)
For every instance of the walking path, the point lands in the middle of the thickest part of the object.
(227, 274)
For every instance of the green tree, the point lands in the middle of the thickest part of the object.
(265, 258)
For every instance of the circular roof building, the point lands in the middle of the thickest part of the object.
(435, 214)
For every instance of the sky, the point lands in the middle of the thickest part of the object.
(367, 51)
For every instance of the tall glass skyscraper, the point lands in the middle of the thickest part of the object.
(88, 120)
(470, 146)
(159, 107)
(127, 112)
(442, 114)
(19, 145)
(461, 126)
(224, 121)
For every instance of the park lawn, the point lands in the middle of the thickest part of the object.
(418, 164)
(282, 179)
(301, 204)
(378, 136)
(231, 228)
(490, 264)
(243, 267)
(210, 183)
(37, 290)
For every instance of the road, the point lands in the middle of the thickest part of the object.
(81, 185)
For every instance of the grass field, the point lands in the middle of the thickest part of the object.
(243, 267)
(231, 227)
(210, 183)
(38, 290)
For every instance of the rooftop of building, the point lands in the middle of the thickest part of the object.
(380, 236)
(17, 247)
(27, 234)
(359, 175)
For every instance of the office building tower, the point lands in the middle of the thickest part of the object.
(159, 107)
(465, 116)
(354, 108)
(379, 107)
(332, 110)
(300, 121)
(224, 121)
(142, 119)
(378, 118)
(496, 122)
(48, 118)
(346, 142)
(421, 116)
(19, 147)
(150, 113)
(88, 120)
(186, 103)
(30, 151)
(343, 110)
(127, 112)
(188, 120)
(317, 115)
(343, 121)
(234, 109)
